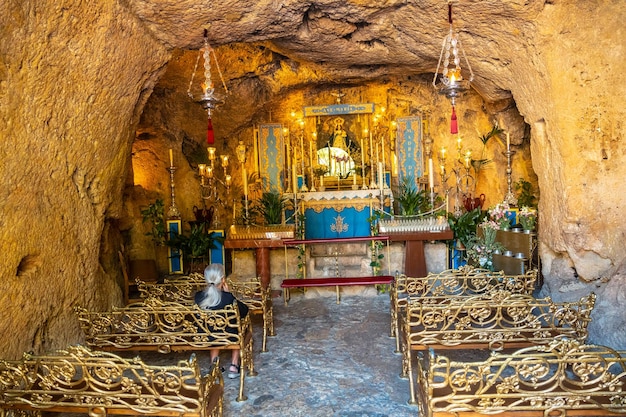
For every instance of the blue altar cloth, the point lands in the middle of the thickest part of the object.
(341, 214)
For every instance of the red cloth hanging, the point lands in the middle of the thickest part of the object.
(454, 127)
(210, 136)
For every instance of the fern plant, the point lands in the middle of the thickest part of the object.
(271, 206)
(410, 200)
(155, 215)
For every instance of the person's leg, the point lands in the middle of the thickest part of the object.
(214, 354)
(233, 370)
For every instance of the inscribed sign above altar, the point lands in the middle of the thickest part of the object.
(333, 109)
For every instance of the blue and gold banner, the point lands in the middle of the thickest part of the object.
(409, 148)
(333, 109)
(174, 255)
(271, 155)
(216, 254)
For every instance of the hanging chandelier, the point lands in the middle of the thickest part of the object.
(209, 99)
(448, 79)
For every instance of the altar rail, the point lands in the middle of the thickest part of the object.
(156, 325)
(496, 320)
(78, 380)
(466, 281)
(563, 378)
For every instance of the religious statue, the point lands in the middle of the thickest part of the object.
(339, 135)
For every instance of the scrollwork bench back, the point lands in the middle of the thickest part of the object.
(156, 325)
(462, 282)
(497, 320)
(250, 292)
(563, 378)
(78, 380)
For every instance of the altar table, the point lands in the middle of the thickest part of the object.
(414, 259)
(262, 254)
(261, 239)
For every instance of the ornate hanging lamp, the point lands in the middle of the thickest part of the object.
(209, 99)
(448, 79)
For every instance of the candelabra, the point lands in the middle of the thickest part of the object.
(172, 211)
(209, 182)
(509, 198)
(240, 151)
(461, 170)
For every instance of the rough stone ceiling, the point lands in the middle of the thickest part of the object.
(357, 39)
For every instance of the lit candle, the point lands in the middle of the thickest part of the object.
(431, 174)
(371, 149)
(458, 143)
(224, 159)
(209, 172)
(294, 175)
(201, 168)
(382, 147)
(211, 152)
(171, 158)
(442, 154)
(256, 151)
(302, 153)
(443, 170)
(244, 175)
(228, 180)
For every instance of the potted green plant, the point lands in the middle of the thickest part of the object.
(195, 246)
(154, 214)
(526, 196)
(410, 200)
(464, 226)
(271, 206)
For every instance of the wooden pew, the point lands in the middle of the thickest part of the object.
(78, 380)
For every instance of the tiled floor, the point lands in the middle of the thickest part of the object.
(326, 359)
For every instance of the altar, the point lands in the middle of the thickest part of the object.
(343, 213)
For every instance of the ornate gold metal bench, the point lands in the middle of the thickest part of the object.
(78, 380)
(463, 282)
(495, 321)
(562, 378)
(163, 326)
(250, 292)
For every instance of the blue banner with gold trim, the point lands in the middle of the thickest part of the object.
(271, 155)
(409, 148)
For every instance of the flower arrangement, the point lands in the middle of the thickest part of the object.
(498, 214)
(481, 248)
(528, 218)
(319, 170)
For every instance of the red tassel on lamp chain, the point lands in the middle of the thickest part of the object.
(210, 136)
(454, 127)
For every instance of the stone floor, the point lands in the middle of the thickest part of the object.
(327, 359)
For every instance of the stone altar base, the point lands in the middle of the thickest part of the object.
(354, 261)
